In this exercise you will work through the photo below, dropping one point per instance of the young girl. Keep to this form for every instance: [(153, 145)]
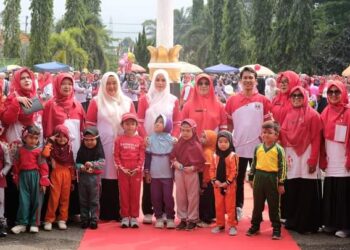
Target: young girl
[(187, 158), (206, 200), (30, 174), (223, 173), (159, 173), (60, 152), (90, 162), (129, 156)]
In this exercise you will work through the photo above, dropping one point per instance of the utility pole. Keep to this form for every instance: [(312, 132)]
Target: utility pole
[(26, 25)]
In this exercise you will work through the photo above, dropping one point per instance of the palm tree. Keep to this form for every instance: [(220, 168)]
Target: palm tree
[(64, 48)]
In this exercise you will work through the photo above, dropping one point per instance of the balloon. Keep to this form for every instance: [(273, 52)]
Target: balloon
[(257, 67), (121, 62), (131, 57)]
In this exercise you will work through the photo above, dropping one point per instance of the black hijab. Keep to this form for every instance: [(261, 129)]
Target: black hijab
[(94, 154)]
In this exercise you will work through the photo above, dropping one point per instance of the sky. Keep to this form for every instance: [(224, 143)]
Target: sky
[(123, 17)]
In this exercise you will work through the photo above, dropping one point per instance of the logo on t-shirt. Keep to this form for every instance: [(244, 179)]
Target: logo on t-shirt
[(258, 106)]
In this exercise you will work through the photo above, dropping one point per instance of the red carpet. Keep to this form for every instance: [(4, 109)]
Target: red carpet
[(111, 236)]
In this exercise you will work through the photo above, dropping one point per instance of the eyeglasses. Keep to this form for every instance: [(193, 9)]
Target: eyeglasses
[(333, 92), (295, 96), (204, 83)]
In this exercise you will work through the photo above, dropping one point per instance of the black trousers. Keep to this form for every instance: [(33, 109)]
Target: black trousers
[(242, 168)]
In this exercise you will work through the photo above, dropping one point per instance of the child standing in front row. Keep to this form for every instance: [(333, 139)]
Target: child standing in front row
[(159, 173), (90, 162), (267, 175), (223, 173), (31, 174), (188, 160), (59, 150), (129, 156)]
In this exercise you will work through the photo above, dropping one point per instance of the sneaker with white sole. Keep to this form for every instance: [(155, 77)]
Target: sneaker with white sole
[(342, 233), (48, 226), (159, 223), (125, 222), (34, 229), (170, 224), (18, 229), (147, 219), (232, 231), (62, 225), (134, 223), (217, 229)]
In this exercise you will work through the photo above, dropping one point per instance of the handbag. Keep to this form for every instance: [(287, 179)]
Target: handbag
[(36, 106)]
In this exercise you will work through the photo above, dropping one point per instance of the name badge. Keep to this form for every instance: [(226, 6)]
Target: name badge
[(340, 132)]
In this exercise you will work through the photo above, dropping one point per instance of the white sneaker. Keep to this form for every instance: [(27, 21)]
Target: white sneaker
[(147, 219), (18, 229), (62, 225), (217, 229), (342, 233), (134, 223), (34, 229), (159, 223), (232, 231), (170, 224), (239, 212), (48, 226)]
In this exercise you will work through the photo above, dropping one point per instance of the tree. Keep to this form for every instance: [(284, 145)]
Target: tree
[(181, 24), (262, 29), (141, 53), (93, 6), (151, 29), (41, 24), (232, 50), (12, 41), (65, 48), (300, 31), (280, 36), (197, 11), (216, 13), (75, 15)]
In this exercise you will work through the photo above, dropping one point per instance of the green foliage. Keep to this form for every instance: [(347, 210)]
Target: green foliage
[(151, 29), (197, 11), (65, 48), (93, 6), (216, 13), (10, 17), (262, 29), (41, 23), (75, 15), (141, 53), (232, 49)]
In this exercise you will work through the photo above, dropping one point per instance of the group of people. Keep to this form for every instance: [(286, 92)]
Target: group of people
[(60, 161)]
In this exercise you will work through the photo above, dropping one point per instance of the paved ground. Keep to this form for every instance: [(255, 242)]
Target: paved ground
[(62, 240)]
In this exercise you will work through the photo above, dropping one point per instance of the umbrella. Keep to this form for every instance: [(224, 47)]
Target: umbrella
[(137, 68), (221, 68), (261, 70), (189, 68), (346, 71), (52, 67), (9, 68)]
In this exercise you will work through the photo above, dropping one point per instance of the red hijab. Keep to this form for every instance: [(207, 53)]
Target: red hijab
[(205, 110), (65, 101), (189, 152), (280, 104), (62, 154), (301, 125), (335, 112), (16, 83), (44, 80)]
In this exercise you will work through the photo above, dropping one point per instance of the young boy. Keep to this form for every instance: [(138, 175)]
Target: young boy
[(129, 156), (267, 175)]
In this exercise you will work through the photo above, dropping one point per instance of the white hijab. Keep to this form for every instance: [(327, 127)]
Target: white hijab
[(158, 102), (112, 107)]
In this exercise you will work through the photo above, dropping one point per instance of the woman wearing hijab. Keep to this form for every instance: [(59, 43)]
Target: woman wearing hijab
[(301, 136), (335, 160), (280, 104), (105, 112), (14, 120), (204, 107), (157, 101)]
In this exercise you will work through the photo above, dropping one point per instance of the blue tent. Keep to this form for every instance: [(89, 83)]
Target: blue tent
[(221, 68), (52, 67)]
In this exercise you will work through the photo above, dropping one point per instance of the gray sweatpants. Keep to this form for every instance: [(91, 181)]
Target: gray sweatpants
[(187, 195), (89, 196)]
